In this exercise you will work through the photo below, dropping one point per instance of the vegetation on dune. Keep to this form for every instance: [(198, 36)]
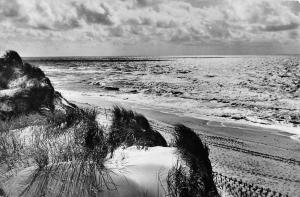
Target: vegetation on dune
[(12, 67), (12, 58), (68, 143), (22, 121), (32, 71), (129, 128), (2, 193), (25, 87), (64, 147), (196, 179), (74, 147), (62, 119), (5, 74), (191, 148), (78, 147), (75, 157)]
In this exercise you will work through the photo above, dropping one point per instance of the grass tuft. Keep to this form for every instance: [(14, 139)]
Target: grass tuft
[(22, 121), (191, 148), (2, 193), (196, 178), (178, 182), (129, 128)]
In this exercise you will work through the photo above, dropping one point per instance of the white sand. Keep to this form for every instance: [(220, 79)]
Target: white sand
[(135, 172), (148, 168)]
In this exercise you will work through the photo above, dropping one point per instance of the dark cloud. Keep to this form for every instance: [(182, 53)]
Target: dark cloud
[(145, 3), (136, 30), (166, 24), (133, 22), (146, 21), (12, 9), (294, 35), (181, 36), (293, 5), (117, 31), (142, 2), (70, 23), (94, 16), (204, 3), (140, 21), (59, 24), (42, 27), (285, 27)]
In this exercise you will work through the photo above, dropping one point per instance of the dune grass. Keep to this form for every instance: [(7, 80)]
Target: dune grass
[(129, 128), (2, 193), (5, 74), (27, 88), (10, 59), (80, 142), (32, 71), (69, 151), (21, 121), (191, 148), (195, 179)]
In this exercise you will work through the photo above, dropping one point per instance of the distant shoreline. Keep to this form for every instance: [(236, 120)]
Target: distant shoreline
[(140, 58)]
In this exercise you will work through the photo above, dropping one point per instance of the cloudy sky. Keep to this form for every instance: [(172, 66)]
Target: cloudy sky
[(149, 27)]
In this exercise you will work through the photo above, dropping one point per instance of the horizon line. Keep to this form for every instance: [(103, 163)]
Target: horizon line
[(207, 55)]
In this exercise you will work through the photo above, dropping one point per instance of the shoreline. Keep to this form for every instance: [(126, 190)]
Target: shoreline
[(161, 114)]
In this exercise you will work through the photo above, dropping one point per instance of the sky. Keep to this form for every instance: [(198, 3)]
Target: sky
[(149, 27)]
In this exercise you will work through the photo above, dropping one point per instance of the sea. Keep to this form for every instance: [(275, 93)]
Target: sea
[(255, 89)]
